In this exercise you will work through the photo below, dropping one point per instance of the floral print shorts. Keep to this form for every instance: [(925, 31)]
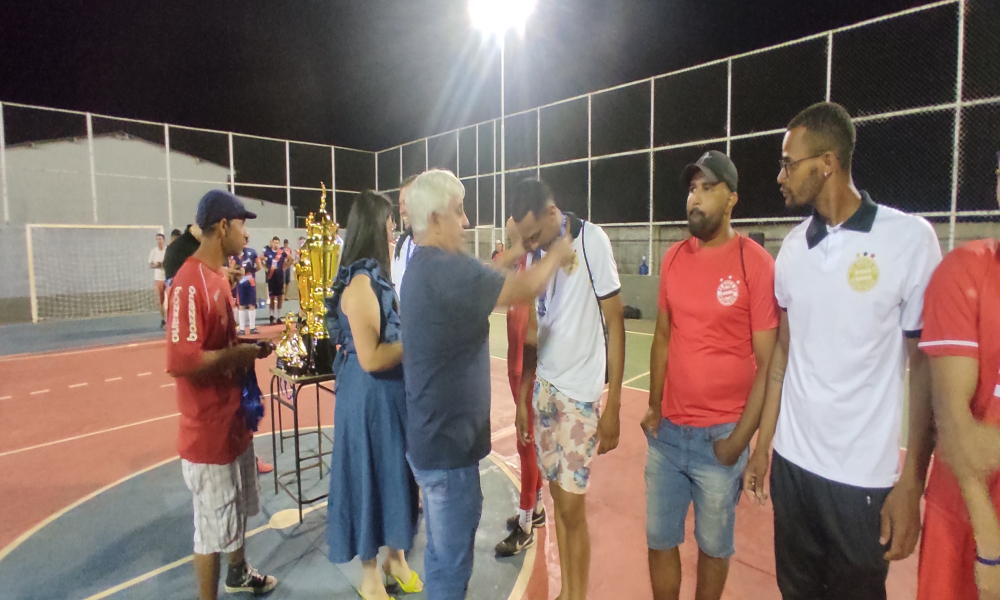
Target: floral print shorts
[(565, 436)]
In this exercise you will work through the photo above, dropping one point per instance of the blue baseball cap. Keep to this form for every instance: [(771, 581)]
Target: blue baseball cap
[(217, 205)]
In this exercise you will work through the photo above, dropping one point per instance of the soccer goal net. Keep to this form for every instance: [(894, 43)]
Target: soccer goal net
[(80, 271)]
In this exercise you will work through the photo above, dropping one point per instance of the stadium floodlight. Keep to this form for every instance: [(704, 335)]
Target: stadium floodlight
[(495, 18)]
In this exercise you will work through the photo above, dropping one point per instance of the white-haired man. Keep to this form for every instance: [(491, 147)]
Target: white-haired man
[(449, 296)]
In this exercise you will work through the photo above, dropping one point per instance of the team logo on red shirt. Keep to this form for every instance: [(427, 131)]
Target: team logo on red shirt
[(728, 291)]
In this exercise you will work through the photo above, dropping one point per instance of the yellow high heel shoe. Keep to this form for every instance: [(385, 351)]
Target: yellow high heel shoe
[(413, 586)]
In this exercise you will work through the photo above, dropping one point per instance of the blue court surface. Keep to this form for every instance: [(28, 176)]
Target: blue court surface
[(134, 540)]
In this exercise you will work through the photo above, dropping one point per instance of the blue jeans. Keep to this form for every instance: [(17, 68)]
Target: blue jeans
[(453, 505), (681, 467)]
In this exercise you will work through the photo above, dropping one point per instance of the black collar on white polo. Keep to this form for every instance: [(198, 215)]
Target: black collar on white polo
[(862, 220)]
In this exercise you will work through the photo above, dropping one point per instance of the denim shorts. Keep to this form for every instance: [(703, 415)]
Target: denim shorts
[(681, 468)]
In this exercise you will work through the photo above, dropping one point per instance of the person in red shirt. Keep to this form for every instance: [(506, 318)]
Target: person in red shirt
[(960, 550), (530, 513), (715, 330), (214, 442)]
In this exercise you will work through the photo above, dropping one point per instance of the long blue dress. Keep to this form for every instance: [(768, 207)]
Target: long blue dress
[(373, 496)]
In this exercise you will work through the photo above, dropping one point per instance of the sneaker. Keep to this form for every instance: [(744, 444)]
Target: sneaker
[(271, 320), (163, 324), (263, 467), (254, 331), (247, 579), (537, 521), (518, 541)]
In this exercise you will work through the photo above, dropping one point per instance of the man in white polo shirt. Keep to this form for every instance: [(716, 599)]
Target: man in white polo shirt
[(850, 281), (574, 351)]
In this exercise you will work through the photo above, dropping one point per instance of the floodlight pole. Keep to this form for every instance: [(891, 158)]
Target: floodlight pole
[(503, 144)]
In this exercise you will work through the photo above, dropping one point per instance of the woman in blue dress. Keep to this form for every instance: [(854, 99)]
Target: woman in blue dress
[(373, 496)]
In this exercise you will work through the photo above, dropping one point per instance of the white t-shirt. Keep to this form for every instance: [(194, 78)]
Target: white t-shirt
[(399, 264), (156, 256), (850, 299), (572, 350)]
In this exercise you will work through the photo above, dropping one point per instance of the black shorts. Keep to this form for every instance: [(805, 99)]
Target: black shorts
[(276, 285), (826, 536)]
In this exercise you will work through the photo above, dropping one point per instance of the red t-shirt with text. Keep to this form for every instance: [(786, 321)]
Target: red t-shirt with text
[(962, 318), (200, 318), (716, 297)]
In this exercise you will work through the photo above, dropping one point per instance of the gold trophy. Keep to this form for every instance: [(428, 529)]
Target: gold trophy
[(316, 272), (291, 350)]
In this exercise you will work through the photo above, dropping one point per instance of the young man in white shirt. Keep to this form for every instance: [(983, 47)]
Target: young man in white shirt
[(159, 278), (850, 281), (579, 333)]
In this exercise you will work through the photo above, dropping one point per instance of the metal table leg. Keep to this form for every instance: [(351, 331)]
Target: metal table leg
[(298, 463), (274, 441)]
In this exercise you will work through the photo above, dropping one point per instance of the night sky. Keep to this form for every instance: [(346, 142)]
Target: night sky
[(367, 73)]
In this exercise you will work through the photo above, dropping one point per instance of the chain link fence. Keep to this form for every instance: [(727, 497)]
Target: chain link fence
[(923, 86)]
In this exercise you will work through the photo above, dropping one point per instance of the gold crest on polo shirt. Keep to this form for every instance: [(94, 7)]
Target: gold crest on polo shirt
[(863, 273)]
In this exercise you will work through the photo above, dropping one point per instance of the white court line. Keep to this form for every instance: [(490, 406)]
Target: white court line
[(636, 378), (144, 374), (17, 357), (36, 392), (77, 385), (6, 398), (93, 433), (85, 435), (165, 385), (112, 379)]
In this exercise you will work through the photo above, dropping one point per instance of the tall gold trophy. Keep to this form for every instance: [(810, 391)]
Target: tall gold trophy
[(316, 272)]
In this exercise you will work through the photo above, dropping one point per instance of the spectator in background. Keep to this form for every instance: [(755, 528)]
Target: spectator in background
[(291, 255), (180, 250), (405, 245), (449, 296), (159, 279), (497, 249), (275, 262), (246, 289), (176, 233)]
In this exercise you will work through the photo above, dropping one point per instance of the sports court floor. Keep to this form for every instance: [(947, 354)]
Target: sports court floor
[(94, 505)]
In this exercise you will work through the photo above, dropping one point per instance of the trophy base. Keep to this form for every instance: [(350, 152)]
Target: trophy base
[(296, 371)]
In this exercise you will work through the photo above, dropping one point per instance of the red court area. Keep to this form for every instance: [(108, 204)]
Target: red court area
[(75, 422)]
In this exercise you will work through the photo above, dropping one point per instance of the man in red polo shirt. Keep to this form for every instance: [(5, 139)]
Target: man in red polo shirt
[(715, 330), (214, 443), (961, 538)]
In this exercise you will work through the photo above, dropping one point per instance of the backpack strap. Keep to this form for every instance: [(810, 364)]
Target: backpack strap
[(593, 287)]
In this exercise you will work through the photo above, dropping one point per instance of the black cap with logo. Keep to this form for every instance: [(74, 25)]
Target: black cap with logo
[(717, 168)]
